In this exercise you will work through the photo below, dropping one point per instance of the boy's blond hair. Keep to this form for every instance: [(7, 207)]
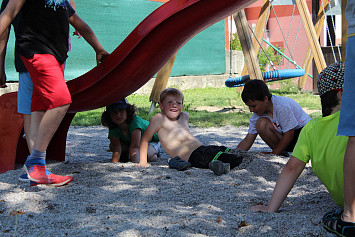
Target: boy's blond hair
[(170, 91)]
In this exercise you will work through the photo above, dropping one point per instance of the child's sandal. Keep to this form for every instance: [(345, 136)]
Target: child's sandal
[(333, 222)]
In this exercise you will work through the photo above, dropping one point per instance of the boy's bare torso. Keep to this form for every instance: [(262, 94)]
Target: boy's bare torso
[(175, 136)]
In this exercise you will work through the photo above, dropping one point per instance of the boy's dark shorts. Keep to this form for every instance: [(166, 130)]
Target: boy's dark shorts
[(202, 156), (294, 140)]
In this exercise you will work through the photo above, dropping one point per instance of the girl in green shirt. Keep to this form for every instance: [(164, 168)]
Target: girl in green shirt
[(125, 131)]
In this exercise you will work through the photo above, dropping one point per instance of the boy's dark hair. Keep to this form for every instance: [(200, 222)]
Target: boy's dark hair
[(330, 81), (329, 100), (106, 118), (170, 91), (255, 90)]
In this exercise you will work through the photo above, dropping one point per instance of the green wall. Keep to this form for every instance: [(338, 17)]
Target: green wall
[(113, 20)]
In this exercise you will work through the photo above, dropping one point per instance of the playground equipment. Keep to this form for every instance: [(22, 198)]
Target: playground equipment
[(145, 50), (247, 43), (274, 75)]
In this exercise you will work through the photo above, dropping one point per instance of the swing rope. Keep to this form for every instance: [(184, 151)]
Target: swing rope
[(278, 22), (328, 32), (230, 48), (261, 47), (275, 74)]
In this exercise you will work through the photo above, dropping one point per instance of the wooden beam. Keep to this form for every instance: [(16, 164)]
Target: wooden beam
[(259, 29), (162, 80), (309, 56), (311, 35), (250, 56)]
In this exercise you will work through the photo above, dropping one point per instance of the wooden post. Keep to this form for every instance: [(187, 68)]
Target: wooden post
[(161, 81), (248, 49), (259, 29), (311, 35), (309, 56)]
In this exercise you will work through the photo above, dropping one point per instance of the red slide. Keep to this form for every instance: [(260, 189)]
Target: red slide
[(133, 63)]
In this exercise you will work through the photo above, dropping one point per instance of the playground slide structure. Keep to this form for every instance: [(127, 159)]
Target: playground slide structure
[(136, 60)]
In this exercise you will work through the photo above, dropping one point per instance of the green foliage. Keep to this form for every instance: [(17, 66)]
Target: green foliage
[(264, 60), (225, 99), (235, 44)]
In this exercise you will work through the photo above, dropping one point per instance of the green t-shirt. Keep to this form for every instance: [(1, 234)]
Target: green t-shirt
[(137, 122), (319, 143)]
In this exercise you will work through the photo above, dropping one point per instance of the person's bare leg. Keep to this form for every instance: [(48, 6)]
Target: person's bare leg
[(26, 128), (48, 125), (43, 127), (349, 181), (267, 132), (36, 119)]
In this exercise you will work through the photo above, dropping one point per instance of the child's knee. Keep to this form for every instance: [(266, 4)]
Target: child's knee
[(152, 153), (262, 124), (153, 158)]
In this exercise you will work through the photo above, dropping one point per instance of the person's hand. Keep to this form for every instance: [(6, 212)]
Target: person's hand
[(3, 80), (261, 208), (77, 33), (100, 56), (266, 152), (142, 165)]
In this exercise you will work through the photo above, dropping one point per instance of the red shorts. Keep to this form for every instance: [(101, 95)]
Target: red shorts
[(49, 88)]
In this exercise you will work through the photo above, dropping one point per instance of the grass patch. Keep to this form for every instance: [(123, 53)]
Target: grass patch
[(217, 97)]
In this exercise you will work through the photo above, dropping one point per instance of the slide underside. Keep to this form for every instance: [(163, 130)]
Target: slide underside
[(149, 46)]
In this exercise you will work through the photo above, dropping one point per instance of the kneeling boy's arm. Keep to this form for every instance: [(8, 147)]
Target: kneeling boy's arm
[(247, 142), (284, 142)]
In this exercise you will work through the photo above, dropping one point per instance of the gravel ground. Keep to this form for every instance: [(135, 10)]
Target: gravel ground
[(107, 199)]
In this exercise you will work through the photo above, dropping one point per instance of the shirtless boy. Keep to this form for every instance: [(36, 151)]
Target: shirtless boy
[(172, 127)]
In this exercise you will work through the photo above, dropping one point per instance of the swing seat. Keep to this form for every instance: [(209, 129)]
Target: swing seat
[(274, 75)]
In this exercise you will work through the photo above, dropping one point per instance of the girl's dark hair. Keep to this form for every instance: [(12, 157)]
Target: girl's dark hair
[(106, 118), (329, 100), (255, 90)]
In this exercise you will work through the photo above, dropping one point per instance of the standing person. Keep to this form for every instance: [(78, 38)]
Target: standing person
[(43, 47), (24, 93), (172, 127), (343, 223), (125, 132), (317, 144), (25, 88), (278, 120)]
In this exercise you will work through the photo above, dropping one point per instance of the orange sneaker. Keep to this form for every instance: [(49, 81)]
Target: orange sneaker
[(55, 180), (36, 171)]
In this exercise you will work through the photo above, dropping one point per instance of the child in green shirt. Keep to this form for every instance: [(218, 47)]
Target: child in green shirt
[(318, 144), (125, 131)]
